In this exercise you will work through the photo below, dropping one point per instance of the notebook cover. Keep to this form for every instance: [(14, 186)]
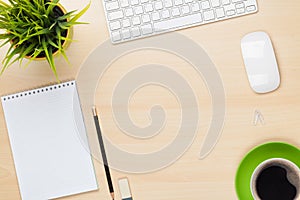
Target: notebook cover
[(49, 142)]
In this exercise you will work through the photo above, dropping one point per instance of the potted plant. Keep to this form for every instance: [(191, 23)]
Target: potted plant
[(36, 29)]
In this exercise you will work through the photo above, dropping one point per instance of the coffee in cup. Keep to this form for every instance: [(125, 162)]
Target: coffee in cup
[(276, 179)]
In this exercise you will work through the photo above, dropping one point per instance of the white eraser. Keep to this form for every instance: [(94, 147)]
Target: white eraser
[(125, 189)]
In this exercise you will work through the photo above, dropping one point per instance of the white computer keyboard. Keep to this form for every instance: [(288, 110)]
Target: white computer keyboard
[(133, 19)]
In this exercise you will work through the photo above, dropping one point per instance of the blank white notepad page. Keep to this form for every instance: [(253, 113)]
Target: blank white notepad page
[(49, 142)]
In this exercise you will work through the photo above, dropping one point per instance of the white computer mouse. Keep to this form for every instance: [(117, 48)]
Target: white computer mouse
[(260, 62)]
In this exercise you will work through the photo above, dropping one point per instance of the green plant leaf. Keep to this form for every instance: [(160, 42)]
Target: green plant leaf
[(49, 57), (77, 16), (51, 27), (4, 5), (4, 43), (51, 5), (63, 53), (64, 25), (66, 16), (8, 59), (34, 56)]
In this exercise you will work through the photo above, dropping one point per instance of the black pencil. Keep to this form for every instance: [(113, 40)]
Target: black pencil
[(101, 144)]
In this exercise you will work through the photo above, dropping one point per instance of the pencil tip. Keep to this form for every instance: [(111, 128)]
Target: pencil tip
[(94, 111), (112, 195)]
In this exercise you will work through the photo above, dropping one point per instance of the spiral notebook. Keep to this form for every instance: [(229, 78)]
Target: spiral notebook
[(49, 143)]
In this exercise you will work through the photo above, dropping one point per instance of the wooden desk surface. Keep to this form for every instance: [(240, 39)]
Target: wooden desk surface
[(188, 178)]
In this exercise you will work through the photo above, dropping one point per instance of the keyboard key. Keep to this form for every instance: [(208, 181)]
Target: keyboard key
[(134, 2), (168, 3), (250, 2), (116, 36), (147, 29), (115, 15), (136, 20), (209, 15), (220, 13), (146, 18), (128, 12), (229, 7), (239, 5), (251, 8), (124, 3), (175, 12), (158, 5), (149, 7), (195, 7), (126, 23), (178, 22), (144, 1), (240, 10), (115, 25), (138, 10), (225, 2), (126, 33), (165, 14), (155, 16), (215, 3), (185, 9), (113, 5), (235, 1), (205, 5), (135, 31), (178, 2), (230, 12)]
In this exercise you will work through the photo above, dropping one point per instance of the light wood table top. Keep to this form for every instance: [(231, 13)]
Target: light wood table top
[(189, 177)]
